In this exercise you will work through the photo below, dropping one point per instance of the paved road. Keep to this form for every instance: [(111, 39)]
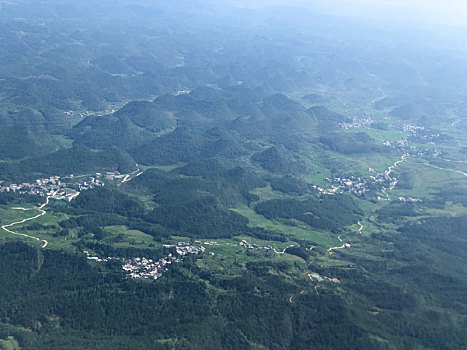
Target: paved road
[(128, 177), (42, 212), (343, 246)]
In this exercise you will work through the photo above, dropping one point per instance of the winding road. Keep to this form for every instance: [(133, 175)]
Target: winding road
[(452, 170), (42, 212), (346, 245), (361, 227), (283, 252), (393, 180), (128, 176), (343, 246)]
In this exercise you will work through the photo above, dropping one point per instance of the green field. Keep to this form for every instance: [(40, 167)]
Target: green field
[(133, 238), (381, 136), (9, 344), (267, 193), (427, 179), (256, 220), (319, 172), (9, 215)]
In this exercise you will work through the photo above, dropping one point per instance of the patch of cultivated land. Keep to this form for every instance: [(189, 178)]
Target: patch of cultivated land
[(9, 215), (121, 236), (322, 238), (427, 179), (381, 136), (9, 343)]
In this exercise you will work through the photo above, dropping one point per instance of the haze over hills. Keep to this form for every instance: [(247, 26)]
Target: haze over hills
[(451, 13), (210, 176)]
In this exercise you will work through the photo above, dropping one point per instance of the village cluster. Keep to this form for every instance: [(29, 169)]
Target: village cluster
[(399, 144), (353, 184), (91, 114), (317, 277), (412, 128), (420, 131), (247, 245), (357, 123), (147, 268), (55, 187), (141, 267), (66, 188), (409, 199)]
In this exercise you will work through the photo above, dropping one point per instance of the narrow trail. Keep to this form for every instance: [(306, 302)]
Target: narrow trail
[(361, 227), (387, 174), (343, 246), (129, 177), (7, 227), (346, 245), (372, 102), (451, 170), (452, 160), (125, 179), (283, 252), (42, 212)]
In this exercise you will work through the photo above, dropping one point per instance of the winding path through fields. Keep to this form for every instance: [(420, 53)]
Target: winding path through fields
[(360, 228), (283, 251), (343, 246), (387, 174), (452, 170), (7, 227), (42, 212)]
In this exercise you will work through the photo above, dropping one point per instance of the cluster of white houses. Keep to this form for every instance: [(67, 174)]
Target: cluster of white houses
[(141, 267), (357, 123), (353, 184), (147, 268), (53, 187), (66, 188)]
